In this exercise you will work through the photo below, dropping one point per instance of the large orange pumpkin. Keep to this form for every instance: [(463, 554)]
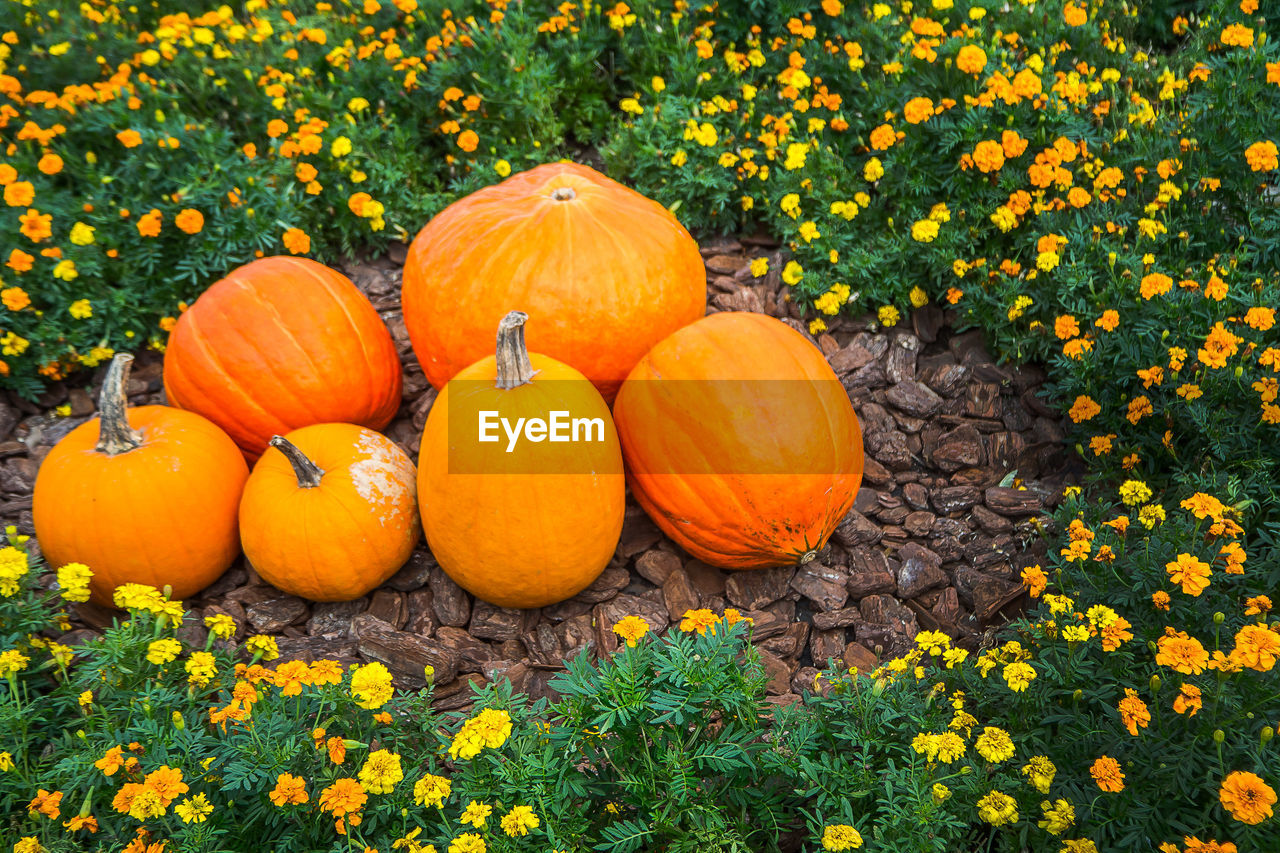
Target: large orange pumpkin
[(148, 495), (740, 442), (535, 525), (603, 272), (330, 512), (278, 344)]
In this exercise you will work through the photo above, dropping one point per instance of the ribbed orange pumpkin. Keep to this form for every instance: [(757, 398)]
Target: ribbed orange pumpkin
[(330, 512), (740, 442), (148, 495), (534, 526), (603, 272), (278, 344)]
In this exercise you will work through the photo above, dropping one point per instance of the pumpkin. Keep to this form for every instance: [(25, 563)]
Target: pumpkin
[(330, 512), (740, 442), (278, 344), (144, 495), (536, 525), (603, 272)]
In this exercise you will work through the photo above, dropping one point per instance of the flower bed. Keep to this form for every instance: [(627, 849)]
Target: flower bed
[(1104, 208)]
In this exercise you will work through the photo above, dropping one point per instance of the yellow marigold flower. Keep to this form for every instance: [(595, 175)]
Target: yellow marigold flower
[(371, 685), (994, 745), (631, 629), (81, 234), (759, 267), (476, 814), (1134, 492), (262, 646), (998, 809), (488, 729), (519, 821), (1059, 816), (792, 273), (888, 315), (221, 626), (431, 790), (924, 230), (873, 170), (1247, 797), (1039, 771), (840, 836), (81, 309), (381, 772), (163, 651), (467, 842), (201, 668), (73, 581), (1018, 676), (194, 809)]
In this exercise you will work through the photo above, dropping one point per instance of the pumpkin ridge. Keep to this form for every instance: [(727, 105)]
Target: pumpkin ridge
[(200, 341), (369, 358), (272, 364)]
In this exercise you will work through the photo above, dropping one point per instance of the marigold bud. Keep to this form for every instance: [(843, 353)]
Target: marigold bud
[(1155, 684), (1219, 735), (1267, 734), (1219, 618)]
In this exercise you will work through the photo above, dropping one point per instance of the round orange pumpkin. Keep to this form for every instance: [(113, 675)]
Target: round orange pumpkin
[(740, 442), (278, 344), (330, 512), (536, 525), (603, 272), (145, 495)]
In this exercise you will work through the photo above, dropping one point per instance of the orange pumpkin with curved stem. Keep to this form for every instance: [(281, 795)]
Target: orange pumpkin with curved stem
[(278, 344), (330, 512), (603, 272), (740, 441), (534, 526), (144, 495)]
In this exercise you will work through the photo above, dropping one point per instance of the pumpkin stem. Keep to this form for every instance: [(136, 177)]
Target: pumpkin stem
[(563, 194), (808, 557), (308, 472), (115, 436), (514, 367)]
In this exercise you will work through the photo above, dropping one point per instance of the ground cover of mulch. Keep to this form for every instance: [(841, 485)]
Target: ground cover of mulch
[(936, 541)]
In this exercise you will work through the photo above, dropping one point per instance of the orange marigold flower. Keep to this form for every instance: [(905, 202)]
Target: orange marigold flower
[(1188, 701), (1065, 326), (971, 59), (189, 221), (918, 110), (1181, 652), (1083, 409), (1247, 797), (1257, 647), (1191, 573), (149, 223), (297, 241), (1262, 156), (290, 790), (20, 261), (883, 138), (1155, 284), (1133, 711), (129, 138), (343, 797), (36, 226), (468, 140), (988, 156), (1139, 408), (1106, 772)]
